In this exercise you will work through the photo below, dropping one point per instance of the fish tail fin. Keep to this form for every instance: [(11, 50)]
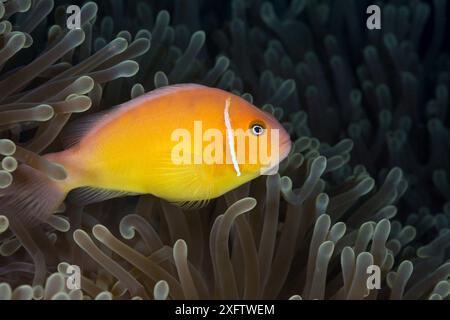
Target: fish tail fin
[(32, 197)]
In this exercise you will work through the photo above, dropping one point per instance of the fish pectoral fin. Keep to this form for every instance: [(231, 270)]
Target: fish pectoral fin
[(188, 186), (87, 195), (196, 189), (191, 205)]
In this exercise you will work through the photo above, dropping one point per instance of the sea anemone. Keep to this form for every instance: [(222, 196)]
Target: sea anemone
[(281, 236), (43, 86)]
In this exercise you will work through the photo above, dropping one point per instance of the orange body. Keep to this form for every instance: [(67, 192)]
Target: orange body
[(131, 148)]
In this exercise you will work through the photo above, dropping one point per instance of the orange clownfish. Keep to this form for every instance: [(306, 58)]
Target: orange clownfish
[(177, 143)]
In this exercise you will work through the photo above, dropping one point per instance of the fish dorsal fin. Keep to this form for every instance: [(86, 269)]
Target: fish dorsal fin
[(191, 205), (74, 131), (87, 195)]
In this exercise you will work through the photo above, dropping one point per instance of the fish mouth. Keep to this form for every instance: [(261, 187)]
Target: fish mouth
[(285, 148)]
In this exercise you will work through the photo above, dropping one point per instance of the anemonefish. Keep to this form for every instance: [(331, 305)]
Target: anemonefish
[(131, 149)]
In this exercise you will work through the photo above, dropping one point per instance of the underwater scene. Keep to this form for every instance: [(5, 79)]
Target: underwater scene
[(230, 150)]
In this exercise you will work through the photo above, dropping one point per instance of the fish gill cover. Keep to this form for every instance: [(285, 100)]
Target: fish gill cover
[(366, 182)]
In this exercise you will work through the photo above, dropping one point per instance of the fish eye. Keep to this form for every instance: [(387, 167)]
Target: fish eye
[(257, 129)]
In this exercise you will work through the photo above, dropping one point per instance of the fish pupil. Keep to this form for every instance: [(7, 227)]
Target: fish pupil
[(257, 129)]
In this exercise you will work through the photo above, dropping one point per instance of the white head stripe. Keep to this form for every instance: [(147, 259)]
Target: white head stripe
[(230, 137)]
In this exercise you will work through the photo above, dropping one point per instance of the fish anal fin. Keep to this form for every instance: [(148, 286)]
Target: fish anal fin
[(191, 205), (88, 195)]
